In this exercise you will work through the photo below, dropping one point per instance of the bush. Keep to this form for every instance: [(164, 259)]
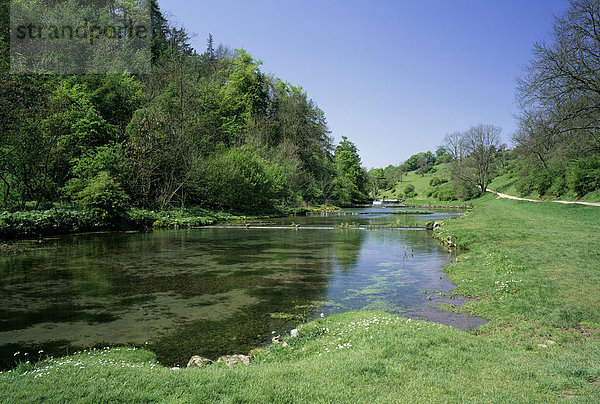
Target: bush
[(525, 186), (409, 191), (41, 223), (239, 179), (543, 182), (445, 193), (585, 175), (436, 181), (559, 185), (104, 199)]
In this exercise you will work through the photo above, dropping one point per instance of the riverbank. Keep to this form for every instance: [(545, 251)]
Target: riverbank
[(532, 269), (354, 357), (62, 221)]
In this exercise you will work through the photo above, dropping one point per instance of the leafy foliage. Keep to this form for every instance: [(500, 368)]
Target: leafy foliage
[(351, 179), (559, 131), (104, 199), (206, 129)]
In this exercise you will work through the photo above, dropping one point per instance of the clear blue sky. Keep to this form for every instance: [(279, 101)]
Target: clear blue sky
[(394, 76)]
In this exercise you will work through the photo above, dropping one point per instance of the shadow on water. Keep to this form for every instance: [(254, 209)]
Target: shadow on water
[(212, 291)]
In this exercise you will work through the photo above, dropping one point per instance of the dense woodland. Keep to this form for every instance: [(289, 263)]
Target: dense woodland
[(206, 129)]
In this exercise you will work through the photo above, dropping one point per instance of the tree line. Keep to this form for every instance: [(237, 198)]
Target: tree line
[(208, 129)]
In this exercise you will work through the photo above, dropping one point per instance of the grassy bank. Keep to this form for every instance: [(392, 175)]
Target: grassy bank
[(533, 268), (354, 357), (532, 263)]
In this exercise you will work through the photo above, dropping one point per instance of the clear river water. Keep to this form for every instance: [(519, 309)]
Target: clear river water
[(219, 290)]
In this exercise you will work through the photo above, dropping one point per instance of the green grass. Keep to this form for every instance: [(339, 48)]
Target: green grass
[(354, 357), (506, 183), (420, 182), (533, 268), (548, 254)]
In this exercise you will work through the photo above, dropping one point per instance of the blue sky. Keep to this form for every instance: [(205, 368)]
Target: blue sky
[(394, 76)]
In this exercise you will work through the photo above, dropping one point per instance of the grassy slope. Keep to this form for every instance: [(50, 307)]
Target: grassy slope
[(547, 255), (506, 184), (421, 183)]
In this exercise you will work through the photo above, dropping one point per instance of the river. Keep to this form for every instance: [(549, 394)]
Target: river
[(216, 291)]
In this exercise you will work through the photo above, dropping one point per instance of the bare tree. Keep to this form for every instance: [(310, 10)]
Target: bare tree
[(473, 155), (561, 81), (453, 143)]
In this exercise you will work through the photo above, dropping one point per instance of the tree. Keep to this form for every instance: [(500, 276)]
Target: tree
[(393, 174), (473, 164), (351, 179), (421, 161), (378, 180), (559, 95), (562, 78), (442, 156), (454, 145)]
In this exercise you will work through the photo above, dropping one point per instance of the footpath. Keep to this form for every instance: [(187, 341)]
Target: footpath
[(537, 200)]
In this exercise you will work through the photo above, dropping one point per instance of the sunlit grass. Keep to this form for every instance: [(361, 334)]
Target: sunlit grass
[(353, 357)]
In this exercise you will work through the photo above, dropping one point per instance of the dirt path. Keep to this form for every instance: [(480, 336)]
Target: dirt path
[(536, 200)]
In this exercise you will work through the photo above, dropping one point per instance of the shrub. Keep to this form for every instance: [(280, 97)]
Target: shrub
[(104, 199), (585, 175), (445, 193), (40, 223), (239, 179), (409, 191), (543, 182), (436, 181), (525, 186)]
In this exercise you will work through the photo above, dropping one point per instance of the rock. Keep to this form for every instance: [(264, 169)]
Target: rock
[(198, 362), (233, 360), (294, 333), (279, 340), (542, 345), (437, 225)]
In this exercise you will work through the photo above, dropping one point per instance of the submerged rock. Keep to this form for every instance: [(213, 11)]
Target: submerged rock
[(198, 362), (233, 360)]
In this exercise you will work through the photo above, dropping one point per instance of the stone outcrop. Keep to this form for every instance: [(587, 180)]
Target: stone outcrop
[(198, 362), (234, 360)]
